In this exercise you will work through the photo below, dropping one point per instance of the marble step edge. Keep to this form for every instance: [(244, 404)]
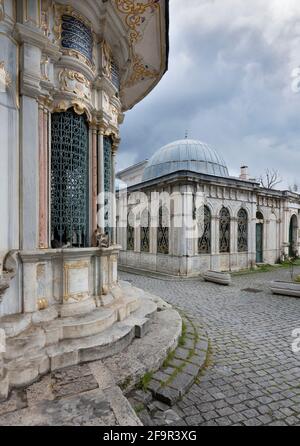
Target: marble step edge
[(14, 325), (56, 330), (23, 372), (170, 390)]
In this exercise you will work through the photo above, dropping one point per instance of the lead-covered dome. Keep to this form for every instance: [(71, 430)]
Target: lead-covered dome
[(186, 154)]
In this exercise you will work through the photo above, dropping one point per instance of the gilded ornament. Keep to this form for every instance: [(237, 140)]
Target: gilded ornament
[(43, 304), (76, 83), (134, 15), (140, 72)]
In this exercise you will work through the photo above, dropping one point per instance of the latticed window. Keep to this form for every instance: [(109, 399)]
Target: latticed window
[(130, 232), (204, 242), (163, 232), (242, 231), (69, 180), (107, 183), (145, 231), (224, 231)]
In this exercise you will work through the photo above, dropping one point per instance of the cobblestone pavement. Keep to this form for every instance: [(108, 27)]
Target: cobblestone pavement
[(253, 376)]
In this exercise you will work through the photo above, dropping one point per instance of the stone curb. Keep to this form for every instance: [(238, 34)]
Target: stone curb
[(177, 378), (179, 373)]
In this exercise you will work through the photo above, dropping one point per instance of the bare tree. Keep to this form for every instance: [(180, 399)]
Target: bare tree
[(270, 179)]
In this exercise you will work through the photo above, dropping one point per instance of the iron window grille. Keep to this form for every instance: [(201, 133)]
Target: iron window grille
[(69, 180), (145, 231), (242, 231), (224, 231), (204, 242), (163, 232)]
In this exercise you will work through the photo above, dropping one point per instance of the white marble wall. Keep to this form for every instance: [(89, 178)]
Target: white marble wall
[(9, 152)]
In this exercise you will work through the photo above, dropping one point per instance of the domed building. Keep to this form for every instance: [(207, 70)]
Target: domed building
[(188, 155), (185, 215)]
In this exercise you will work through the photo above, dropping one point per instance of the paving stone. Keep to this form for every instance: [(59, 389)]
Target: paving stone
[(168, 395), (255, 366), (154, 385), (191, 369), (182, 353), (198, 359), (182, 382), (161, 376), (142, 397)]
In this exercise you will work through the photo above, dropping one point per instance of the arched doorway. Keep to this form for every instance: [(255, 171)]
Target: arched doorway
[(293, 236), (259, 237)]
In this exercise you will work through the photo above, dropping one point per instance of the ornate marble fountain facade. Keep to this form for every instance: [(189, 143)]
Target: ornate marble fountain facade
[(68, 72)]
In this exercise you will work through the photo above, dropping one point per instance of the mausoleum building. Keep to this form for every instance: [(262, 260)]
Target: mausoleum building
[(241, 224)]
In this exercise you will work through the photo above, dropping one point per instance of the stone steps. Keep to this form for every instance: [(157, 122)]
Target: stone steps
[(33, 339), (27, 370), (64, 342), (179, 373), (108, 342), (88, 325)]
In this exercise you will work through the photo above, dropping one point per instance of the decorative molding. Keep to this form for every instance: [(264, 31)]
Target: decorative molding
[(36, 21), (42, 304), (59, 11), (75, 82), (45, 61), (78, 297), (45, 17), (140, 72), (134, 15), (79, 107), (5, 78)]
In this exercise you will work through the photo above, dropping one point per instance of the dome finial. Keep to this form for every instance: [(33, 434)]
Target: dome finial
[(186, 134)]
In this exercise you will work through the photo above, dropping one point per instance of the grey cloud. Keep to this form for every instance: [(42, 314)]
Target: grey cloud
[(229, 84)]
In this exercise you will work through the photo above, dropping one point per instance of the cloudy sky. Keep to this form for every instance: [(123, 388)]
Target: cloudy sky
[(229, 83)]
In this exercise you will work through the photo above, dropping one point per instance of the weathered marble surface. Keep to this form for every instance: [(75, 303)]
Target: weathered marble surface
[(88, 394)]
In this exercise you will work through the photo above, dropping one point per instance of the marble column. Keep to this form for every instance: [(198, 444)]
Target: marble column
[(30, 173), (94, 181), (43, 176), (115, 145), (101, 179)]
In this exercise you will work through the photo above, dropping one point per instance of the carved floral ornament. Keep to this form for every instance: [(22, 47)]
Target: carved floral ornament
[(140, 72), (74, 82), (136, 19), (134, 15)]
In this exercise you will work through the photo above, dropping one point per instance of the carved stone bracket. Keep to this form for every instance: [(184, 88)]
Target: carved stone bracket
[(10, 267)]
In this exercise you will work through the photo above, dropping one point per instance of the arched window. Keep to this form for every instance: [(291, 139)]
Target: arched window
[(242, 231), (163, 231), (69, 180), (145, 231), (204, 242), (224, 231), (130, 233)]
